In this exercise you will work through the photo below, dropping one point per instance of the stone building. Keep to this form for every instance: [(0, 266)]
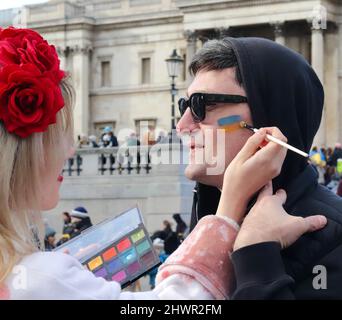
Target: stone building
[(116, 50)]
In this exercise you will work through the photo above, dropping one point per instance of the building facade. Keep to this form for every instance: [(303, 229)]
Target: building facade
[(115, 50)]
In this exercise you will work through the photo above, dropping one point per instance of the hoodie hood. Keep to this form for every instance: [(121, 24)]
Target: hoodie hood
[(283, 91)]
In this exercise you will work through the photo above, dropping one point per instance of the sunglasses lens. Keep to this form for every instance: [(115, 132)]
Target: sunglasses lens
[(182, 105), (198, 108)]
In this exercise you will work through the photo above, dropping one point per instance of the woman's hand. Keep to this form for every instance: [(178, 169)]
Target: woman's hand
[(249, 171), (268, 221)]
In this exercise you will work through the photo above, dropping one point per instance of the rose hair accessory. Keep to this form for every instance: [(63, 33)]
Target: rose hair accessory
[(30, 77)]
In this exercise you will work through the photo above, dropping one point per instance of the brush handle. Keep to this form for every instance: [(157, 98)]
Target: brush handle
[(284, 144)]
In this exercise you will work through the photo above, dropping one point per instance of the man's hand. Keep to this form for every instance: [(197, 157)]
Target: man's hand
[(249, 171), (268, 221)]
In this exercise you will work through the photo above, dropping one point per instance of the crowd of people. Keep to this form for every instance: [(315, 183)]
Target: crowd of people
[(108, 139), (328, 162), (73, 224)]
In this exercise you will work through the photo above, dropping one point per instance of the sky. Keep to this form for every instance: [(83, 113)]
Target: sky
[(6, 4)]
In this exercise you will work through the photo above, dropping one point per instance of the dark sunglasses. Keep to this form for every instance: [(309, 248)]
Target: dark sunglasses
[(199, 101)]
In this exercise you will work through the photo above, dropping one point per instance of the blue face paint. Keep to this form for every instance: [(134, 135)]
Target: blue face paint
[(230, 123)]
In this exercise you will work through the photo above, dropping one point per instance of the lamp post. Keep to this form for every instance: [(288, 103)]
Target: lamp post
[(174, 63)]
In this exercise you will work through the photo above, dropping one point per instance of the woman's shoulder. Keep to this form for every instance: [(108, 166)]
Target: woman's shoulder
[(49, 261)]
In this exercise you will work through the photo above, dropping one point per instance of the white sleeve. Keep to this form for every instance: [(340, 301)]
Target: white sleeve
[(58, 276)]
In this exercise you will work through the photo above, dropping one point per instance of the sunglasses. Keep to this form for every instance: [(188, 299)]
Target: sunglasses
[(199, 101)]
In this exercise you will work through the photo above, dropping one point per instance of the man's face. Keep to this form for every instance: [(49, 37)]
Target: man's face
[(216, 146)]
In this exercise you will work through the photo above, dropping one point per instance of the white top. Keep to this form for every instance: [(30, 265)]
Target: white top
[(52, 275)]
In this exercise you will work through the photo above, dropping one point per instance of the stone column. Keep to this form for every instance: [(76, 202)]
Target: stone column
[(62, 57), (80, 77), (279, 32), (191, 39), (317, 62)]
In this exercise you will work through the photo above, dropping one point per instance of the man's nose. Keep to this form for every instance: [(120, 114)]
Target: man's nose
[(186, 123)]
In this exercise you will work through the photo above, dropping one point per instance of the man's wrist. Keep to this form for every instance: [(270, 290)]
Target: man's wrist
[(248, 239)]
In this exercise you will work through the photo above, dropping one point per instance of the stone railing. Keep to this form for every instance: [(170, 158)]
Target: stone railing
[(123, 160), (109, 181)]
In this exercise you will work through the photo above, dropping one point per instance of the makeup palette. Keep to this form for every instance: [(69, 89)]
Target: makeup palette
[(117, 249)]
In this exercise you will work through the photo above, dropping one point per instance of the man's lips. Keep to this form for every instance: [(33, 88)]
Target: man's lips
[(195, 146)]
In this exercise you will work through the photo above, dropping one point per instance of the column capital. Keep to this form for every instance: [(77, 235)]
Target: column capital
[(62, 51), (278, 28), (318, 18), (190, 35), (80, 49), (222, 32)]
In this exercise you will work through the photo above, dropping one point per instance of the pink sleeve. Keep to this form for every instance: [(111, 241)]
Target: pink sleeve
[(205, 256)]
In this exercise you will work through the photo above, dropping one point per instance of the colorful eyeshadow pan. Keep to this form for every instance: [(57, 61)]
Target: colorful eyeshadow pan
[(114, 266), (120, 276), (128, 257), (123, 245), (95, 263), (101, 273), (140, 234), (142, 247), (147, 259), (133, 268), (109, 254)]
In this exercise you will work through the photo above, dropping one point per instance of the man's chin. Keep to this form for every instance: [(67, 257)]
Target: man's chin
[(198, 173)]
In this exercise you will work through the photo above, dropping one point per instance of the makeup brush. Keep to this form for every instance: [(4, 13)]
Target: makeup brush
[(243, 124)]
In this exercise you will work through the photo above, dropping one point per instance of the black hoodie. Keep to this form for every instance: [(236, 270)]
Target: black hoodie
[(284, 91)]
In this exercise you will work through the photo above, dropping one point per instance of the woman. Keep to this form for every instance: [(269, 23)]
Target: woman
[(36, 131)]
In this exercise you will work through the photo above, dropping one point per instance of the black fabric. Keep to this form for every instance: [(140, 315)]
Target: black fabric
[(260, 273), (284, 91)]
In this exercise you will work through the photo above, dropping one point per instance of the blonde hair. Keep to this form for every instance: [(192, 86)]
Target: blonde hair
[(21, 163)]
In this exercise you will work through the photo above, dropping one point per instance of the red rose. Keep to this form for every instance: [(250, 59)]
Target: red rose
[(22, 46), (29, 99)]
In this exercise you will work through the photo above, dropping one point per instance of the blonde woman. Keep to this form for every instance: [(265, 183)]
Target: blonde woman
[(36, 130)]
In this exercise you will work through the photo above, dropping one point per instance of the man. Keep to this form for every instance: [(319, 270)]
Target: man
[(282, 91)]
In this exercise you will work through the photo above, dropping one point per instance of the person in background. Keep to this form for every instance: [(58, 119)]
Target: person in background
[(81, 220), (132, 140), (329, 154), (181, 226), (67, 223), (337, 154), (113, 141), (170, 238), (108, 139), (68, 229), (317, 158), (93, 142), (49, 240), (149, 137), (158, 245), (83, 141)]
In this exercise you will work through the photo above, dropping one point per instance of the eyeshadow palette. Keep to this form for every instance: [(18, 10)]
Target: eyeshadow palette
[(117, 249)]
